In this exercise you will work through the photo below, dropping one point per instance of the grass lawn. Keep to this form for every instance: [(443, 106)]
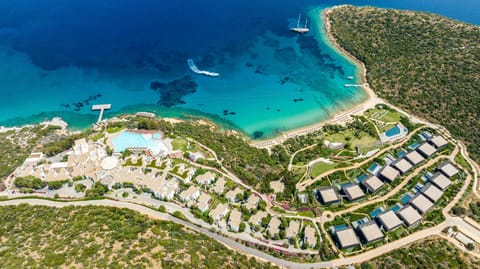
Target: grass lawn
[(388, 116), (320, 168), (98, 136), (348, 137), (179, 144), (112, 130)]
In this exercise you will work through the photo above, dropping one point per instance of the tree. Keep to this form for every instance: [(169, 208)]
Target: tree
[(242, 227), (470, 246)]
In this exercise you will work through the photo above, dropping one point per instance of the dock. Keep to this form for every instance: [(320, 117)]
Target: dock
[(102, 108), (353, 85)]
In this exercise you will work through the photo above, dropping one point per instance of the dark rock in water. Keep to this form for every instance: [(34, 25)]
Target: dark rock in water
[(248, 64), (99, 95), (278, 110), (257, 134), (286, 78), (200, 104), (295, 100), (232, 113), (268, 108), (171, 93), (286, 55), (77, 109), (301, 90), (271, 42), (260, 70), (225, 111)]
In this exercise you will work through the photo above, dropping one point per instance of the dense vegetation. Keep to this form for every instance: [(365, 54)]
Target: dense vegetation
[(16, 145), (424, 63), (101, 237), (428, 253)]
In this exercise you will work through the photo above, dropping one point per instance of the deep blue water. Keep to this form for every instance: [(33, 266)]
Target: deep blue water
[(55, 54)]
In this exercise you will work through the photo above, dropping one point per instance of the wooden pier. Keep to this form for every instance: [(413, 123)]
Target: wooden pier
[(102, 108)]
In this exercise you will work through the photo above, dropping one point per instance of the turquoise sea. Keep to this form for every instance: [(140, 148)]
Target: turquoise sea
[(57, 58)]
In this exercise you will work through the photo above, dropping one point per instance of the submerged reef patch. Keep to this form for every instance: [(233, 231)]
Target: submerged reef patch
[(172, 93)]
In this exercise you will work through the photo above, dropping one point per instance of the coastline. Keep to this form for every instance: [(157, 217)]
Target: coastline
[(343, 116)]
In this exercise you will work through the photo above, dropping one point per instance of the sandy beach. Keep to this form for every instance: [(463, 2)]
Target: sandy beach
[(341, 117)]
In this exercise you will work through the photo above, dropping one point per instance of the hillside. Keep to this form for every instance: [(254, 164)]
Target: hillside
[(427, 64), (102, 237), (432, 252)]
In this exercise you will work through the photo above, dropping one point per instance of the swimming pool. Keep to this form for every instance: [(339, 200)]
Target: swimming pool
[(405, 198), (128, 140), (361, 178), (414, 146), (393, 131), (375, 212)]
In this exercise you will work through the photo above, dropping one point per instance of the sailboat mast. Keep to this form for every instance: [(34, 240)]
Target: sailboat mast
[(306, 20), (299, 17)]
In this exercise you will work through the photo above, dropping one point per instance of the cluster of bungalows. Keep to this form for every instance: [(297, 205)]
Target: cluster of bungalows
[(410, 214), (379, 176)]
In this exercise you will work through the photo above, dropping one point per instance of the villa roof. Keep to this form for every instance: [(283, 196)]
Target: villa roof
[(274, 225), (203, 201), (414, 157), (206, 178), (426, 150), (189, 194), (441, 181), (232, 194), (438, 141), (389, 173), (409, 215), (421, 203), (372, 183), (277, 186), (292, 229), (219, 212), (347, 238), (353, 192), (432, 192), (389, 220), (310, 236), (448, 169), (235, 219), (402, 165), (257, 218), (328, 195), (219, 185), (370, 231), (252, 201)]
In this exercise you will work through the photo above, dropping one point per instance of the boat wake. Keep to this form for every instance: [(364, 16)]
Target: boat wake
[(195, 70)]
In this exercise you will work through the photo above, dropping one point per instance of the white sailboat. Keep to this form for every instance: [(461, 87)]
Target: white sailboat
[(298, 29)]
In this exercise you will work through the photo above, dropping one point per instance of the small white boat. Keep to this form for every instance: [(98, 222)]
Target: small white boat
[(298, 29), (194, 68)]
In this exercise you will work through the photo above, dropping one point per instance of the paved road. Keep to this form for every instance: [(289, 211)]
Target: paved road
[(463, 226)]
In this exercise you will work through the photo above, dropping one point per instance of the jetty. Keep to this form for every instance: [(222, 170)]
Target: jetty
[(353, 85), (194, 68), (102, 108)]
